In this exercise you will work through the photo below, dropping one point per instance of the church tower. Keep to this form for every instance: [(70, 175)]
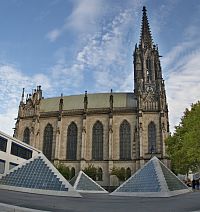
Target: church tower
[(152, 109)]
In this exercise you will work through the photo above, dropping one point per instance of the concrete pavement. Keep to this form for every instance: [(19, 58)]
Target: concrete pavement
[(189, 202)]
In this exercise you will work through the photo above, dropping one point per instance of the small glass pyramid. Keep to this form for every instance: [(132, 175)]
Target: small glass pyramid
[(37, 175), (83, 183), (152, 180)]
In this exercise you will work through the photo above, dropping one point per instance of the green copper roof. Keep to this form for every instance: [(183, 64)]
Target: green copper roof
[(98, 100)]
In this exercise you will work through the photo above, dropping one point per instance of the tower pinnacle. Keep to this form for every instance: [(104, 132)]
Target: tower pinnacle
[(22, 99), (146, 40)]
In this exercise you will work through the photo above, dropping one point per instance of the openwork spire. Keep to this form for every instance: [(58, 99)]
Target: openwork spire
[(146, 38)]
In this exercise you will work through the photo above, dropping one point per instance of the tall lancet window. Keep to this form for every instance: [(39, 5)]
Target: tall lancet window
[(125, 141), (152, 138), (97, 141), (26, 137), (48, 141), (72, 141), (149, 69)]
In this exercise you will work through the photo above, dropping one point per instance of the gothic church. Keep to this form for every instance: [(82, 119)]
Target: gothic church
[(106, 130)]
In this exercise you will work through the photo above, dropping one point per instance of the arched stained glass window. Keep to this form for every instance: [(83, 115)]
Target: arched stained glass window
[(72, 141), (125, 141), (26, 137), (152, 138), (48, 141), (99, 174), (97, 141), (149, 69)]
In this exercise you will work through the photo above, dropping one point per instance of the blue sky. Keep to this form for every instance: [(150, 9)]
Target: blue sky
[(69, 46)]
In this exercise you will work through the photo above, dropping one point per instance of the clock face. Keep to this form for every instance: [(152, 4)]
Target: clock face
[(149, 88)]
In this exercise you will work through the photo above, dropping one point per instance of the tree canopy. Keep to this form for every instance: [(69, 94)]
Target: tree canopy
[(91, 171), (183, 146)]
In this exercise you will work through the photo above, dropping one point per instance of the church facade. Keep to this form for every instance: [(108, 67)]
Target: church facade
[(105, 130)]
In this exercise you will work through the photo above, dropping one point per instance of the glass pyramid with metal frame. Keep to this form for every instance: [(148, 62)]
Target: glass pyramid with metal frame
[(37, 175), (83, 183), (152, 180)]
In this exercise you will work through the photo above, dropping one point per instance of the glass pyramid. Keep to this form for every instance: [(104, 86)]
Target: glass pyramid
[(84, 183), (152, 180), (37, 175)]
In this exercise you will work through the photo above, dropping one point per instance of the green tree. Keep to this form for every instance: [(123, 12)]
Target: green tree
[(64, 170), (183, 147), (119, 172), (91, 171)]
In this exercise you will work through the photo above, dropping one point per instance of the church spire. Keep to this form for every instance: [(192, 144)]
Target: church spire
[(145, 38)]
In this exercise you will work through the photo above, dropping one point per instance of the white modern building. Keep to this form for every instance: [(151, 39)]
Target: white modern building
[(13, 152)]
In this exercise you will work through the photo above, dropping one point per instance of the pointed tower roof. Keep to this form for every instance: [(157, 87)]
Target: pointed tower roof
[(154, 179), (37, 175), (83, 183), (145, 38)]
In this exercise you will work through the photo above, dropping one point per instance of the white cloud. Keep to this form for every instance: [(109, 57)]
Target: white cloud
[(85, 14), (42, 79), (183, 87), (106, 53), (183, 76), (12, 80), (7, 120), (54, 34), (65, 77), (82, 19), (160, 17)]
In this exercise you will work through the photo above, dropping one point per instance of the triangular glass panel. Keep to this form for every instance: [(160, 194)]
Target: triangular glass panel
[(173, 182)]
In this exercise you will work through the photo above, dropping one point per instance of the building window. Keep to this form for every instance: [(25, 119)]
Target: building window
[(123, 174), (97, 141), (72, 172), (72, 141), (26, 137), (48, 141), (3, 144), (2, 166), (125, 141), (152, 138), (21, 151), (149, 69), (99, 176)]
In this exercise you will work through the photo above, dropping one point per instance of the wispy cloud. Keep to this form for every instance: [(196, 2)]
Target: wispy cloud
[(12, 80), (183, 88), (54, 34), (161, 15), (104, 55), (83, 18), (85, 15), (183, 77)]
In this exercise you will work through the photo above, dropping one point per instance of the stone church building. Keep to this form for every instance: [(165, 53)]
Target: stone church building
[(122, 130)]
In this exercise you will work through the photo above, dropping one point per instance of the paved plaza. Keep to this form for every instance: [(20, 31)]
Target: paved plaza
[(101, 203)]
